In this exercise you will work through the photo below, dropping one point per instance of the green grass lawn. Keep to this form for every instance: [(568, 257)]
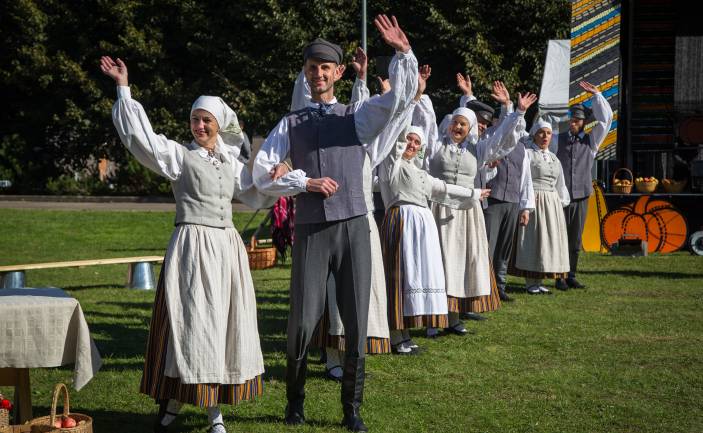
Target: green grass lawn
[(626, 355)]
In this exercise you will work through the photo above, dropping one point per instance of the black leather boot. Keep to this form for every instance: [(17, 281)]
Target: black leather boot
[(296, 371), (503, 295), (353, 394)]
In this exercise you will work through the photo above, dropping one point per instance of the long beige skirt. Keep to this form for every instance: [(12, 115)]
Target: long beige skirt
[(462, 236), (542, 247)]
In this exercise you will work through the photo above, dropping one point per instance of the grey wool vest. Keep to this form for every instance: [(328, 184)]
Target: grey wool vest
[(506, 185), (203, 191), (457, 168), (327, 146), (576, 160)]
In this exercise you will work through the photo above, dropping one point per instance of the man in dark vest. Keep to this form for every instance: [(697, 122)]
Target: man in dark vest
[(577, 151), (326, 142)]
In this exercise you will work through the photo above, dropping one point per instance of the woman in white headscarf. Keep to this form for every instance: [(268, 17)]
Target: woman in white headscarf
[(541, 247), (203, 346), (455, 158)]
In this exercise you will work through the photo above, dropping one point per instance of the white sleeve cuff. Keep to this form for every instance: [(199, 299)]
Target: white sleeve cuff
[(123, 92)]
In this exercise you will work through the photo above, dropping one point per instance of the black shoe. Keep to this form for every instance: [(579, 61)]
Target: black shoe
[(158, 427), (473, 316), (560, 284), (353, 394), (457, 329), (294, 414), (574, 284), (504, 296), (354, 423)]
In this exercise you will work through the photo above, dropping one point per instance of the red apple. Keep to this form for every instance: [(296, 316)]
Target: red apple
[(57, 423), (68, 422), (5, 404)]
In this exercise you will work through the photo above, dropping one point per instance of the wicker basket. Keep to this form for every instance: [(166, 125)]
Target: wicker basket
[(260, 258), (674, 186), (622, 189), (84, 423), (646, 187), (4, 416)]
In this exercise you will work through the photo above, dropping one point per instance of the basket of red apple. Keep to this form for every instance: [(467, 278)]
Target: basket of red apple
[(5, 408), (66, 423)]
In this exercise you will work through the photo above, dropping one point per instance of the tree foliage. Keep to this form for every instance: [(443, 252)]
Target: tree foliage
[(58, 103)]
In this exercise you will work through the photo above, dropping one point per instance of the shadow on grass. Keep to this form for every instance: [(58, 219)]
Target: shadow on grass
[(128, 341), (644, 274), (105, 421)]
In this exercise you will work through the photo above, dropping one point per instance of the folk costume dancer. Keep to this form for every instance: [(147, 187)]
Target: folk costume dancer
[(455, 159), (541, 245), (577, 151), (330, 335), (512, 196), (203, 347), (326, 142), (412, 255)]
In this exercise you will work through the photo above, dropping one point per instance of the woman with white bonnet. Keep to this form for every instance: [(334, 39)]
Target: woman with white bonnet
[(203, 346), (541, 247), (411, 252), (455, 159)]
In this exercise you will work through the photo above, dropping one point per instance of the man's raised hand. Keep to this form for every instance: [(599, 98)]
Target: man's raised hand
[(590, 88), (115, 70), (391, 33)]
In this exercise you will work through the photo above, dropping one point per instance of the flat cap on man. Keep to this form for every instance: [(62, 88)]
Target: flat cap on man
[(577, 111), (483, 111), (323, 50)]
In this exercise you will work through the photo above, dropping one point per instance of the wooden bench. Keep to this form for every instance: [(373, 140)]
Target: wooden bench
[(140, 273)]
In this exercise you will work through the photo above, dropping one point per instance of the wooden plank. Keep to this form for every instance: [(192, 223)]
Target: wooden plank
[(78, 263)]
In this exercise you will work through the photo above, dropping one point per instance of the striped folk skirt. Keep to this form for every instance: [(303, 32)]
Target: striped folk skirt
[(477, 304), (160, 387), (323, 339), (395, 264)]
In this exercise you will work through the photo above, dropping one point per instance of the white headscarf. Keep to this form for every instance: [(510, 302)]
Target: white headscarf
[(539, 124), (472, 137), (230, 132), (417, 131)]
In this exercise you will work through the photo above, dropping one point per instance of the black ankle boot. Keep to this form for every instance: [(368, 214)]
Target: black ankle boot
[(353, 394), (295, 390)]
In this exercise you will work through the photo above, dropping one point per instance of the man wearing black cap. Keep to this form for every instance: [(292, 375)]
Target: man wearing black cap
[(326, 142), (576, 152)]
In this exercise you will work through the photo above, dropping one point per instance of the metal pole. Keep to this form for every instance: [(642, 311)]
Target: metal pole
[(363, 25)]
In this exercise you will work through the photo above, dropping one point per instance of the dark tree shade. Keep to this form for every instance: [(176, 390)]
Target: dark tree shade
[(57, 117)]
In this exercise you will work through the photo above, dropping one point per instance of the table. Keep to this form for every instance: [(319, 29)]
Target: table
[(42, 328)]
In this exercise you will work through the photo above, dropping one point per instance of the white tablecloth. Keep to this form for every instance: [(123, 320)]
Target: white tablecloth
[(46, 328)]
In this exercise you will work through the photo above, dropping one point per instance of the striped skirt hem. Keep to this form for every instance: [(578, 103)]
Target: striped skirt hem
[(391, 243), (476, 304), (160, 387)]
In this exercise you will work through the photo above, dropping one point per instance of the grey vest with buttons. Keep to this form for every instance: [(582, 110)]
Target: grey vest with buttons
[(327, 146), (544, 173), (457, 168), (577, 161), (506, 185), (203, 192)]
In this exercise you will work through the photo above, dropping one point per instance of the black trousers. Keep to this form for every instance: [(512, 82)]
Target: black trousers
[(501, 222), (342, 249), (575, 215)]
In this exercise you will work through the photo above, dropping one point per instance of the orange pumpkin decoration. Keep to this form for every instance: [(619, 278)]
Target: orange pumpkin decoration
[(657, 222)]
